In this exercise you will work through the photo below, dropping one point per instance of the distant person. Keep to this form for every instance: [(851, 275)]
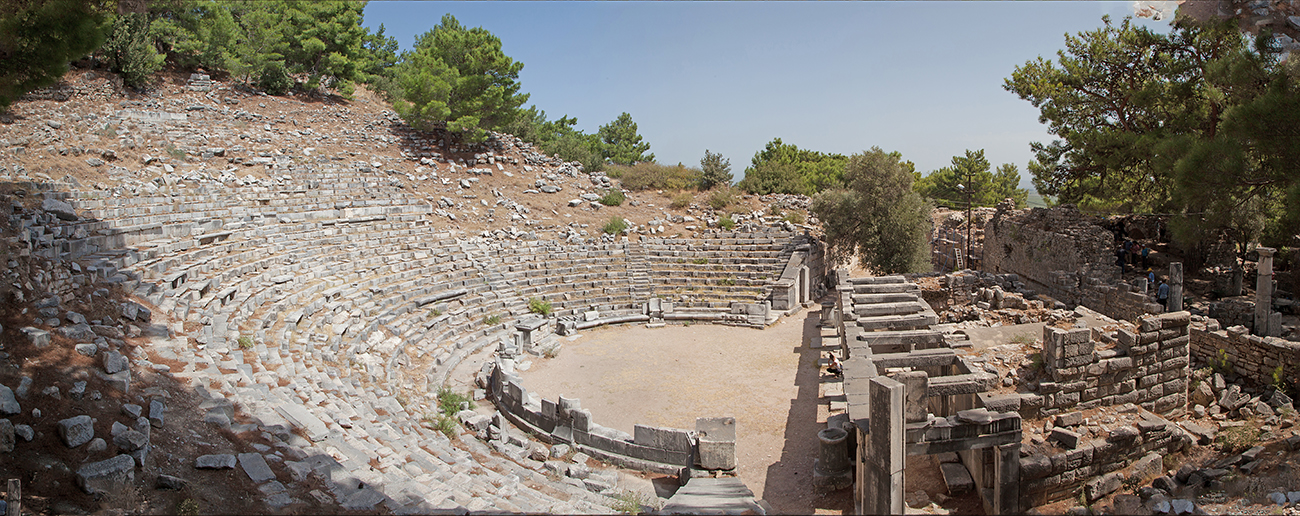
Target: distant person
[(836, 368), (1151, 277), (1163, 295), (1119, 259), (1145, 252)]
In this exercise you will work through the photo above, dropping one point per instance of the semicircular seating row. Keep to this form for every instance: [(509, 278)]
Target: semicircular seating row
[(339, 297)]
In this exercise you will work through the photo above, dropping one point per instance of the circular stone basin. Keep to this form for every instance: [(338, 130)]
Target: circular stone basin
[(667, 377)]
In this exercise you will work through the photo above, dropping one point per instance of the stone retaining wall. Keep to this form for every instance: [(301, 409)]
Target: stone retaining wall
[(1248, 355), (1089, 468), (668, 451)]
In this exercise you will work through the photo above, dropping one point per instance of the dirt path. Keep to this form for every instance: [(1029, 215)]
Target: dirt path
[(766, 379)]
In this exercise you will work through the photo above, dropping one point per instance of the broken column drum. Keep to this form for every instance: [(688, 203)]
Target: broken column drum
[(834, 452)]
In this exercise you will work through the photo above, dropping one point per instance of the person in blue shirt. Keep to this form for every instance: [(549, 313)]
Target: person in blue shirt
[(1151, 277), (1163, 295)]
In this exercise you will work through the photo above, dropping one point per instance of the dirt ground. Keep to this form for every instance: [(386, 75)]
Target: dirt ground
[(767, 379)]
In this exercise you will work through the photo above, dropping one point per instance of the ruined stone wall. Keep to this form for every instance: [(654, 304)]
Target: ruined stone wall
[(1248, 355), (1092, 465), (1050, 249), (1149, 369), (1234, 311), (1119, 301)]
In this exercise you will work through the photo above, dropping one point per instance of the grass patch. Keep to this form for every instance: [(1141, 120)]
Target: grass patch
[(434, 312), (1024, 339), (613, 198), (107, 131), (1237, 438), (726, 223), (730, 282), (700, 261), (539, 306), (492, 320), (175, 153), (451, 401), (631, 502), (794, 217), (615, 226), (245, 342)]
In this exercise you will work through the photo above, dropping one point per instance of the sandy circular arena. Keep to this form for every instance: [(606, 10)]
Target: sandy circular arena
[(766, 379)]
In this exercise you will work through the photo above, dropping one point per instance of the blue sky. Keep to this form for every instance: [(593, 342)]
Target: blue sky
[(921, 78)]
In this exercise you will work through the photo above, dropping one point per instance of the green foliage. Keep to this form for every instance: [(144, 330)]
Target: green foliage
[(621, 144), (275, 79), (434, 312), (726, 223), (700, 261), (558, 137), (682, 200), (793, 217), (878, 217), (1220, 364), (450, 401), (187, 507), (172, 151), (539, 306), (245, 342), (129, 49), (38, 38), (615, 225), (613, 197), (653, 176), (972, 172), (457, 76), (721, 198), (631, 502), (1183, 123), (447, 425), (492, 320), (1237, 438), (730, 282), (785, 168), (715, 170)]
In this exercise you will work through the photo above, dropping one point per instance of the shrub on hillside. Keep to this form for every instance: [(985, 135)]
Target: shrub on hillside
[(615, 226), (275, 80), (682, 200), (653, 176), (726, 223), (613, 198), (720, 198)]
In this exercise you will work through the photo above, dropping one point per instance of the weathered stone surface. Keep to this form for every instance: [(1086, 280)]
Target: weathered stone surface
[(76, 431), (302, 418), (1102, 486), (130, 440), (255, 467), (24, 432), (171, 483), (216, 461), (114, 362), (956, 478), (8, 403), (1067, 438), (107, 476), (60, 209), (7, 440), (156, 410), (77, 332)]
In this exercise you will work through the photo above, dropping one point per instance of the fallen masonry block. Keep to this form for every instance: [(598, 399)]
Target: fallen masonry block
[(107, 476), (217, 461)]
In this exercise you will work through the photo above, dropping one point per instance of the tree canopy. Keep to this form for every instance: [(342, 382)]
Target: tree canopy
[(972, 172), (621, 144), (38, 39), (877, 216), (1200, 122), (459, 76), (785, 168), (716, 170)]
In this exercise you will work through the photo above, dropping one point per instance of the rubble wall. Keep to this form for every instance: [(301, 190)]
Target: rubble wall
[(1049, 478), (1248, 355), (1149, 369)]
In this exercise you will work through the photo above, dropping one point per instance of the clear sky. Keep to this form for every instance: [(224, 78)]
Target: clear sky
[(921, 78)]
